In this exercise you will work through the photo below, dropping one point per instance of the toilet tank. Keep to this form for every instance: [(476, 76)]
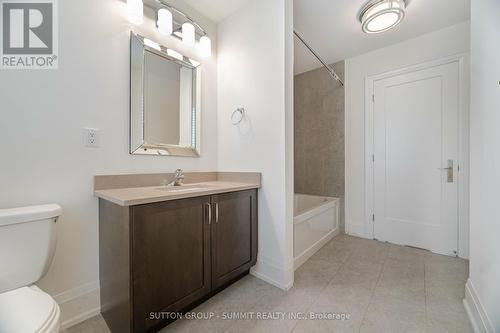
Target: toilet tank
[(27, 244)]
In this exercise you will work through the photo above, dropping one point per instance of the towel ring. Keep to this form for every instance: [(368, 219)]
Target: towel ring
[(237, 116)]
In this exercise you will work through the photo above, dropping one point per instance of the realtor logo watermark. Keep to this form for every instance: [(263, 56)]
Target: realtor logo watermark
[(29, 34)]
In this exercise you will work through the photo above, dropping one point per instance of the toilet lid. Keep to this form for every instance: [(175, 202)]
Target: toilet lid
[(26, 309)]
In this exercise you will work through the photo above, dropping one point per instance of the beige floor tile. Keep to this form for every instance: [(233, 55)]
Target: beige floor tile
[(314, 277), (332, 252), (438, 322), (197, 326), (374, 252), (381, 287), (355, 273), (93, 325), (390, 314), (445, 267), (262, 326), (327, 326), (404, 282), (340, 301)]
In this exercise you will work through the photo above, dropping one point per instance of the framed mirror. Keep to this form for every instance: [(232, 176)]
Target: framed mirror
[(165, 91)]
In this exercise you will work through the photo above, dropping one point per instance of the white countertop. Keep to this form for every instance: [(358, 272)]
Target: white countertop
[(143, 195)]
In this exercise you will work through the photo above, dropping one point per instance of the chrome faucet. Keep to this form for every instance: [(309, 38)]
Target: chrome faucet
[(178, 178)]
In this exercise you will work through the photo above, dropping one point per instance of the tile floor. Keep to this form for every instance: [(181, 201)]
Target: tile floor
[(384, 288)]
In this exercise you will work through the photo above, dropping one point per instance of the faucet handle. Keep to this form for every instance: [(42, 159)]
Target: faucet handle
[(179, 173)]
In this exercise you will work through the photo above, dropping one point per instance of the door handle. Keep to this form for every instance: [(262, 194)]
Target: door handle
[(449, 169), (209, 213), (216, 212)]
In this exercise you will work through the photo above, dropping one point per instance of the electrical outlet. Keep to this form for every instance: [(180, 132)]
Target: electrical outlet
[(91, 137)]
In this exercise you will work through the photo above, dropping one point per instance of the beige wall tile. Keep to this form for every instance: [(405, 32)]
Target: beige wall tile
[(320, 135)]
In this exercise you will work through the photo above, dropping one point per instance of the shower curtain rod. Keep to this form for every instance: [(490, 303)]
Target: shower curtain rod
[(328, 68)]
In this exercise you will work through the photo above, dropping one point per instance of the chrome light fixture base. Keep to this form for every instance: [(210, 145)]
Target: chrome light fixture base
[(381, 15)]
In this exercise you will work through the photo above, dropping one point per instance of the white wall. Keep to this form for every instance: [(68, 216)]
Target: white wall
[(42, 115), (483, 287), (254, 70), (439, 44)]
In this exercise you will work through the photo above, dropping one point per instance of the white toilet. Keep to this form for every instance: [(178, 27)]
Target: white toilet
[(27, 244)]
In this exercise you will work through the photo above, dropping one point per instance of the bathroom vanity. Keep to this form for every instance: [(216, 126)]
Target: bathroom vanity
[(164, 250)]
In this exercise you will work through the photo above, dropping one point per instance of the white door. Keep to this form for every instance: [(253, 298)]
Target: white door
[(415, 139)]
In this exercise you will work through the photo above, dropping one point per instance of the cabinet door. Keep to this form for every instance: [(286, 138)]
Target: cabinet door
[(234, 235), (170, 258)]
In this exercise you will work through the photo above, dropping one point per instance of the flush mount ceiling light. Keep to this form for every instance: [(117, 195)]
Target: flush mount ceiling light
[(382, 15)]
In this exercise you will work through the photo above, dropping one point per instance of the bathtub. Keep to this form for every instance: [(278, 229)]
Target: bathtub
[(316, 222)]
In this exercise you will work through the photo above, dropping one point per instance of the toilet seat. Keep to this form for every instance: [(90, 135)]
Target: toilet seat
[(28, 309)]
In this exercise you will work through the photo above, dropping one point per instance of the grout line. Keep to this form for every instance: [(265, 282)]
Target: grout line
[(326, 286), (373, 291), (250, 307)]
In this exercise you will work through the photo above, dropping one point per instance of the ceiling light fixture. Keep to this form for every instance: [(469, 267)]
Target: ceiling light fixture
[(135, 11), (381, 15)]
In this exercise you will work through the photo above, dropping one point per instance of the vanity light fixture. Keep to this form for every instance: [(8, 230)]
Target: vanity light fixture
[(165, 21), (188, 34), (187, 31), (135, 11), (381, 15)]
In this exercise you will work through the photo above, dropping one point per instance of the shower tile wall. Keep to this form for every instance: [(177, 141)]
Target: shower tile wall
[(320, 134)]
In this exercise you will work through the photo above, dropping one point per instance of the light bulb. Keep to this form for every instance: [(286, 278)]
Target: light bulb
[(152, 44), (188, 34), (205, 46), (164, 22), (135, 11), (175, 54)]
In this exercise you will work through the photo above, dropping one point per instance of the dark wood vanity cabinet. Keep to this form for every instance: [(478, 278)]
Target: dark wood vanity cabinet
[(167, 257), (170, 258), (234, 235)]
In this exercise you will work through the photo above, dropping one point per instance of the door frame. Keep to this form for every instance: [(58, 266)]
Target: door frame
[(463, 145)]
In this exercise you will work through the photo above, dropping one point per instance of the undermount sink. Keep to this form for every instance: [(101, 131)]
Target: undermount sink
[(184, 188)]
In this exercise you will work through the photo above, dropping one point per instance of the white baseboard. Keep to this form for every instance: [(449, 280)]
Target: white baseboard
[(477, 315), (79, 304), (270, 272), (308, 253)]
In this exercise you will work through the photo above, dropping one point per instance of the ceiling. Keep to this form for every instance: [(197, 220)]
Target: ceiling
[(332, 29), (216, 10)]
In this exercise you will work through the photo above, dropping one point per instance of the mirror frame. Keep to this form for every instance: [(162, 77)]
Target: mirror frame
[(138, 144)]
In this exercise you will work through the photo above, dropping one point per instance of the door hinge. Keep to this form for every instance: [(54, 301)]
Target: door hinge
[(373, 217), (373, 98), (373, 157)]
